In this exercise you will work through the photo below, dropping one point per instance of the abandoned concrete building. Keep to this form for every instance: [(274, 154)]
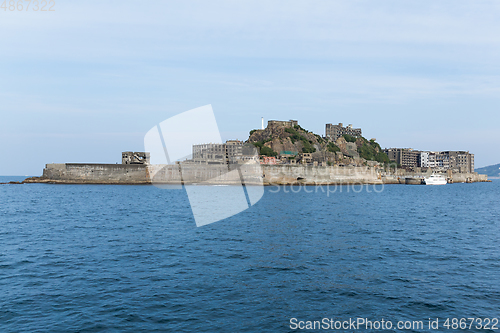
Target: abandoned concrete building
[(405, 157), (460, 161), (132, 157), (285, 123), (230, 152), (333, 132)]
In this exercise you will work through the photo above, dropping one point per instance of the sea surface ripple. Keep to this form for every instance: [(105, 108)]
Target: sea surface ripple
[(93, 258)]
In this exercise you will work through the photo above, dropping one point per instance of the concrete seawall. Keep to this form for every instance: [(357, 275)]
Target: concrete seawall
[(316, 175), (76, 173), (83, 173)]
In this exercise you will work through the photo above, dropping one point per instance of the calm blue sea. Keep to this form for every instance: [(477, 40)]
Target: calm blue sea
[(90, 258)]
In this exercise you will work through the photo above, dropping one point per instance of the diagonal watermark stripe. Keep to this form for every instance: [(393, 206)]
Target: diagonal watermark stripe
[(216, 190)]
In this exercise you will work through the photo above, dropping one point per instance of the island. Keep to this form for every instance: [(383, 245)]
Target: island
[(283, 153)]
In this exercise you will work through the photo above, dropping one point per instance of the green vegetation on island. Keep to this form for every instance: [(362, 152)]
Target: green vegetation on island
[(349, 138), (296, 136), (267, 151), (280, 139), (263, 149), (332, 147), (371, 151)]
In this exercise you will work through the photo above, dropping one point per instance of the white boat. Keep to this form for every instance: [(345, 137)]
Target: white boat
[(435, 180)]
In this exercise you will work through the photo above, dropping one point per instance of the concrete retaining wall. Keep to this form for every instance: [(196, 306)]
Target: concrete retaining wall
[(315, 175), (205, 174), (75, 173)]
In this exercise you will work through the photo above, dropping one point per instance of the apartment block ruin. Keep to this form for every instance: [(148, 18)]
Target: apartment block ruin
[(406, 157), (333, 132), (461, 161), (230, 152)]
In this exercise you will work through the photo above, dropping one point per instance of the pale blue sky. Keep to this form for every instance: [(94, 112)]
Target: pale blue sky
[(86, 82)]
